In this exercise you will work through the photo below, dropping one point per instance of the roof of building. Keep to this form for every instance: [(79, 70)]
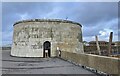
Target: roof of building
[(98, 41), (47, 20)]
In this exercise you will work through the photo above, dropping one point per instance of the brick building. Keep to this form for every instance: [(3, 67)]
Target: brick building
[(92, 48)]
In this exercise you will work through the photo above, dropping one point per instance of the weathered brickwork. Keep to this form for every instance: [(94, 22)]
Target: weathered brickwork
[(30, 35)]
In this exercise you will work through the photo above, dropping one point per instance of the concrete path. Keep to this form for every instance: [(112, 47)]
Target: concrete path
[(14, 65)]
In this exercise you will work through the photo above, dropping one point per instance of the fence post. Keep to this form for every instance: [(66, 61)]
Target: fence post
[(110, 42), (97, 44)]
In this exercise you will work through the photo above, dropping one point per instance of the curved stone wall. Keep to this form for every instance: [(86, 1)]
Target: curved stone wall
[(30, 35)]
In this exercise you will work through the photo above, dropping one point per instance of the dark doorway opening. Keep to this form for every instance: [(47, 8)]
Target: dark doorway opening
[(47, 46)]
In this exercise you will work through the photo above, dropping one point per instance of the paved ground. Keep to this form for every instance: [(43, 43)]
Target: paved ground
[(14, 65)]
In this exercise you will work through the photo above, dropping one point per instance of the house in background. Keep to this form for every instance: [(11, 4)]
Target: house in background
[(91, 47)]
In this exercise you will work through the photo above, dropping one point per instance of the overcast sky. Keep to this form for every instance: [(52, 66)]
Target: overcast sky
[(96, 18)]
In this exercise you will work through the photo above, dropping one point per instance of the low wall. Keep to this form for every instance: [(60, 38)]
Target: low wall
[(105, 64), (6, 48)]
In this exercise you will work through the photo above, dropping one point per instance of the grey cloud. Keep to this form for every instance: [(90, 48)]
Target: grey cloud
[(92, 13), (21, 7), (93, 16)]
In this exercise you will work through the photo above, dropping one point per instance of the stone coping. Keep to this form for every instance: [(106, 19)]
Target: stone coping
[(47, 20), (104, 64)]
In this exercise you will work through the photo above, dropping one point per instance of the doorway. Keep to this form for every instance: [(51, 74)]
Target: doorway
[(47, 46)]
